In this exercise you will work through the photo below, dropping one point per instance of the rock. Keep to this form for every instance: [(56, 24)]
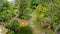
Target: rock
[(3, 30)]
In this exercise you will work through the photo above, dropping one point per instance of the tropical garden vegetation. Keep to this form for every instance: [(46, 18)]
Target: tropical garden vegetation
[(30, 16)]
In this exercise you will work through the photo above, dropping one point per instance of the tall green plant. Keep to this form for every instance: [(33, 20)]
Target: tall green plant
[(7, 10)]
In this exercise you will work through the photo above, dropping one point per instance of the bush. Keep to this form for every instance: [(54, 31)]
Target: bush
[(26, 30), (11, 32), (25, 17), (13, 25), (16, 28), (49, 15), (6, 10), (4, 16)]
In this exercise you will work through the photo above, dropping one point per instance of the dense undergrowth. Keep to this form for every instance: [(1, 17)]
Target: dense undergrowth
[(15, 27), (8, 11), (47, 14)]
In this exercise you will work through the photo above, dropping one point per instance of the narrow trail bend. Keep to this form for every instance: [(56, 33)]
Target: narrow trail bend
[(35, 30), (31, 23)]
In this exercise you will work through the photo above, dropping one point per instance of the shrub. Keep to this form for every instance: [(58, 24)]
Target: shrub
[(26, 30), (13, 25), (16, 28), (25, 17), (6, 10), (11, 32)]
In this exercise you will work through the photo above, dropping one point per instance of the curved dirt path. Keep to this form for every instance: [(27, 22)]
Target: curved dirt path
[(31, 23), (35, 30)]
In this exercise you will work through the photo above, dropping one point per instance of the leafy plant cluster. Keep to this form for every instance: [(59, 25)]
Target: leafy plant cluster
[(16, 28), (6, 10), (48, 12), (24, 8)]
